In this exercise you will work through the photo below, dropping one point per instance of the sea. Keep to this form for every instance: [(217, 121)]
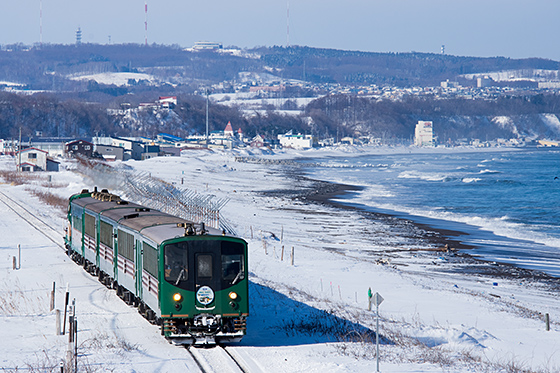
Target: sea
[(504, 203)]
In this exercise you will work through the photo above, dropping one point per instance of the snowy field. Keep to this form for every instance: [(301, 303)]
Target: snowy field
[(308, 317)]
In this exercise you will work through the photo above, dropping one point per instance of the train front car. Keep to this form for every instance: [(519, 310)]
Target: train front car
[(204, 292)]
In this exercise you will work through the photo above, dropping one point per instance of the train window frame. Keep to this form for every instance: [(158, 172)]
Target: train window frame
[(173, 273)]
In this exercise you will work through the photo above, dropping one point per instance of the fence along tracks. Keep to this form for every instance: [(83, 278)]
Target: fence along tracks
[(152, 192)]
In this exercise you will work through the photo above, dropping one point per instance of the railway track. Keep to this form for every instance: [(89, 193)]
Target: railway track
[(33, 220), (216, 359), (220, 359)]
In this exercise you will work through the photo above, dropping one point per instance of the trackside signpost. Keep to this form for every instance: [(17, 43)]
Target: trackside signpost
[(376, 299)]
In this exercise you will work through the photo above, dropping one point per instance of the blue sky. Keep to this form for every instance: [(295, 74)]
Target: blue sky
[(510, 28)]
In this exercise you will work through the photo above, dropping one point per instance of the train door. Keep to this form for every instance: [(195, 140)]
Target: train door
[(207, 279)]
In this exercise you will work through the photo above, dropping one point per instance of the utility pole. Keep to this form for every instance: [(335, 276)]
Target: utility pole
[(206, 117), (19, 150)]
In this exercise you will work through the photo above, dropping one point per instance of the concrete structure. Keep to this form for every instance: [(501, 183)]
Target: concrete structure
[(423, 134)]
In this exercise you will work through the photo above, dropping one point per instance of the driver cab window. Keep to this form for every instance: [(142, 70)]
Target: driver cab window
[(176, 263), (232, 267)]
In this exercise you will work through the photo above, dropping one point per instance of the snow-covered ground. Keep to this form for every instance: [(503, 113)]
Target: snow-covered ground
[(118, 79), (308, 317)]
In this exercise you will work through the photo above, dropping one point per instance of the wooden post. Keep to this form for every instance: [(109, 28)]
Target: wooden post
[(19, 256), (57, 322), (52, 298), (282, 255), (65, 309), (14, 262), (292, 256), (547, 321)]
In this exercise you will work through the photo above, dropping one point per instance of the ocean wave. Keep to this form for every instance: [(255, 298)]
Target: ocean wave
[(487, 171), (470, 179), (343, 165), (427, 176)]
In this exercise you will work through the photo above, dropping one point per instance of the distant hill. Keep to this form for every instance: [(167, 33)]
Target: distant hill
[(49, 66), (400, 69)]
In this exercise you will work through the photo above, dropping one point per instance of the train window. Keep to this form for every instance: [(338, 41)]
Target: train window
[(232, 268), (106, 234), (176, 263), (150, 259), (77, 223), (125, 246), (89, 226), (204, 266)]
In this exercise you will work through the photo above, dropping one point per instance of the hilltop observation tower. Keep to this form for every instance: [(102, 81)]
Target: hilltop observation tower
[(78, 36)]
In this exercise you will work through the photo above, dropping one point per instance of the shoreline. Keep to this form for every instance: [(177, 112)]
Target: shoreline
[(442, 240)]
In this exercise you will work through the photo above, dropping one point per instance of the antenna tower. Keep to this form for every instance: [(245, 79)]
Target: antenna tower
[(287, 24), (146, 23), (443, 49), (41, 22)]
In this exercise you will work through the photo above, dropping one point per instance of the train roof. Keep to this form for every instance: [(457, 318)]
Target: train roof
[(154, 224)]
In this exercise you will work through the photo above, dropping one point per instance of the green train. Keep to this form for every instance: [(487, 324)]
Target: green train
[(190, 279)]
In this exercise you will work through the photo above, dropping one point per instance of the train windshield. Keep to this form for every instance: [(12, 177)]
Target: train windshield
[(176, 263), (233, 263), (183, 259)]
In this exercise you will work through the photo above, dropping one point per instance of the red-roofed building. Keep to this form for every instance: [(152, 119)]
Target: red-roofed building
[(229, 130)]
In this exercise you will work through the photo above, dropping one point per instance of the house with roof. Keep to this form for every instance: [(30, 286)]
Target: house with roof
[(79, 147), (33, 159), (110, 152), (258, 142)]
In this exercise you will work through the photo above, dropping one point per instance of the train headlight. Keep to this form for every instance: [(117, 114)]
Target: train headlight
[(233, 295), (177, 297)]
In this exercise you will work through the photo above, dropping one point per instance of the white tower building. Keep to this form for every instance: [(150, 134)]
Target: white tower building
[(423, 134)]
